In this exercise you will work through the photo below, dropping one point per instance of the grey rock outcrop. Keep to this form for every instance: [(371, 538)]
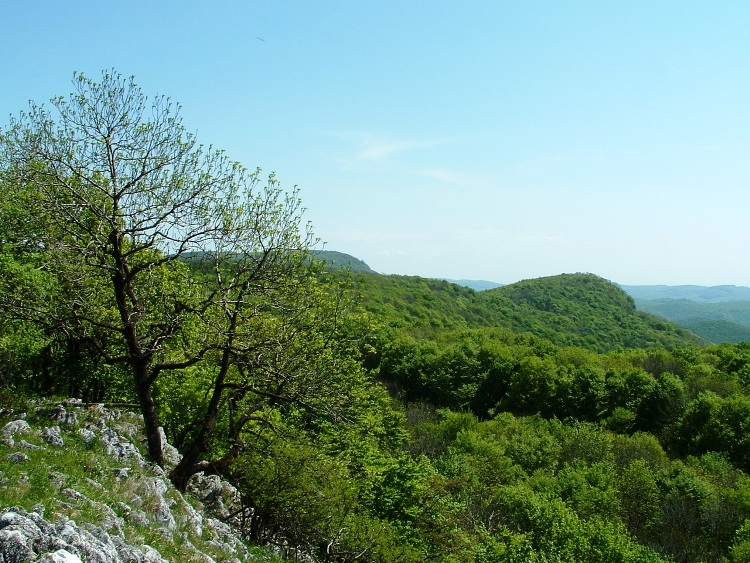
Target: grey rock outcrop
[(219, 497), (25, 536), (18, 457), (12, 428), (87, 435), (63, 417), (120, 447), (52, 436), (143, 503)]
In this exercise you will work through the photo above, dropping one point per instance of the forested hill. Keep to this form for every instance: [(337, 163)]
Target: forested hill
[(569, 310), (585, 310), (339, 260)]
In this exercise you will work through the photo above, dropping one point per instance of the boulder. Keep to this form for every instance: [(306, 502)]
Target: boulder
[(119, 447), (52, 436), (15, 427), (18, 457), (62, 416)]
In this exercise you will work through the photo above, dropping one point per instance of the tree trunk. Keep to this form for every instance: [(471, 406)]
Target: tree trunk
[(187, 467), (150, 418), (189, 464)]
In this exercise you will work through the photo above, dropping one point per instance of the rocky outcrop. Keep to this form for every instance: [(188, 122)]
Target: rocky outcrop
[(118, 508), (24, 536)]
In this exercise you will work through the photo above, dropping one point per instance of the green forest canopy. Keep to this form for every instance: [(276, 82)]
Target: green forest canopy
[(362, 417)]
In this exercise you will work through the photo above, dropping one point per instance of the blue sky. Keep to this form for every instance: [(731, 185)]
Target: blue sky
[(485, 140)]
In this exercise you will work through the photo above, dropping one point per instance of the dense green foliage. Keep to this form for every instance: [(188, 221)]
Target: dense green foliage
[(569, 310), (493, 446), (585, 310), (546, 420)]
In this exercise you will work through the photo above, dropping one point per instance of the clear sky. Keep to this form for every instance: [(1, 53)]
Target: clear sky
[(490, 140)]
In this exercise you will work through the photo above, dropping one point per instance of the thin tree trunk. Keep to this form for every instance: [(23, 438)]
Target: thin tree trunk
[(189, 464), (150, 418), (140, 358)]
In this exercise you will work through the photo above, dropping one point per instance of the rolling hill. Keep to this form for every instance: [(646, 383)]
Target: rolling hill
[(340, 260), (569, 310)]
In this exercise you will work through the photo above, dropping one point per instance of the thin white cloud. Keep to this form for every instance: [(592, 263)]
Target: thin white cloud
[(375, 148), (451, 177), (371, 148)]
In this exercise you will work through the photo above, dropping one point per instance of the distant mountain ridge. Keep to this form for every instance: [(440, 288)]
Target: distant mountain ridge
[(727, 321), (718, 313), (696, 293), (477, 285)]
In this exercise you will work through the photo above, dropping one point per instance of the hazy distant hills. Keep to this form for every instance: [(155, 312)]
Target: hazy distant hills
[(718, 313), (696, 293), (478, 285), (727, 321), (684, 309)]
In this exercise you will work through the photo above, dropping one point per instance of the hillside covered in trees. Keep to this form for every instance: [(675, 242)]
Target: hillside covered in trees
[(359, 417), (716, 321), (570, 309)]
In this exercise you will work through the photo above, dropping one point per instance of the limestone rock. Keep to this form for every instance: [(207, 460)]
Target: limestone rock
[(26, 536), (119, 447), (218, 496), (26, 446), (171, 456), (52, 436), (87, 435), (18, 457), (15, 427), (62, 416), (60, 556)]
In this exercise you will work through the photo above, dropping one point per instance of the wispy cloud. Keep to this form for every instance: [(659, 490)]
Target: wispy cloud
[(374, 148), (451, 177), (377, 149)]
